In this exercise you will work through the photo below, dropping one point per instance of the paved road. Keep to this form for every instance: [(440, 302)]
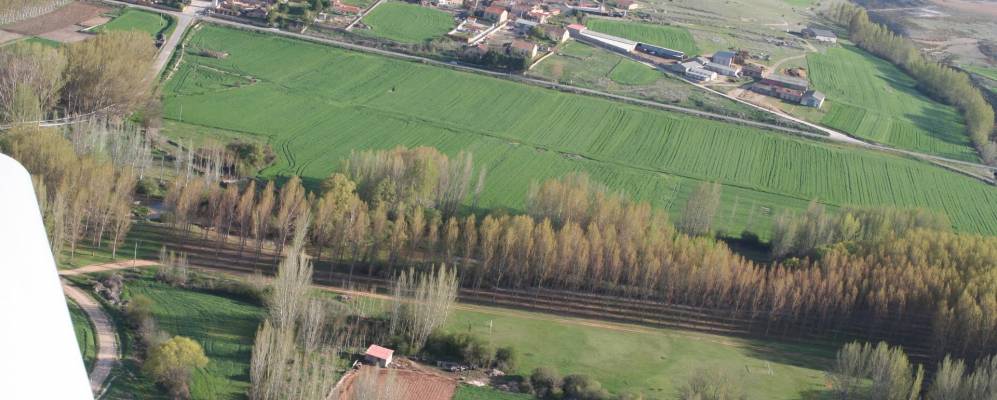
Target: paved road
[(108, 352), (166, 50), (828, 134)]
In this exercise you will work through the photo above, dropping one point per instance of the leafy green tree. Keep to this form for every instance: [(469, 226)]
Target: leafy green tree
[(171, 363)]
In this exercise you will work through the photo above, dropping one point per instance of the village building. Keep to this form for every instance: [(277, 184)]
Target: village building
[(476, 52), (524, 26), (450, 3), (813, 98), (628, 5), (471, 31), (523, 48), (603, 40), (700, 75), (378, 355), (555, 33), (660, 51), (788, 88), (576, 29), (754, 70), (821, 35), (725, 58), (685, 67), (733, 70), (345, 9), (541, 16), (497, 14)]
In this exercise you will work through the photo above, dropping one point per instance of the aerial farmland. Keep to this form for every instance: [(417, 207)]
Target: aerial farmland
[(532, 134), (500, 199)]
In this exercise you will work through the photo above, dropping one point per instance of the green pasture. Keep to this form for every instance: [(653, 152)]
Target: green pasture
[(988, 72), (138, 20), (329, 102), (407, 23), (872, 99), (633, 73), (653, 362), (85, 335), (672, 37), (224, 327), (465, 392)]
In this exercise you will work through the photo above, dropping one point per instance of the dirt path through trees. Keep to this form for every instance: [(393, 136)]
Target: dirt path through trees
[(108, 352)]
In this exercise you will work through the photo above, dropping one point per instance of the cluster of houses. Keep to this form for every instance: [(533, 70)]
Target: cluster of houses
[(525, 19), (254, 9)]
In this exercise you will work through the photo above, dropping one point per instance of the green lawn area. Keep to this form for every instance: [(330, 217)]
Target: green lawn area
[(407, 23), (138, 20), (872, 99), (989, 72), (672, 37), (465, 392), (224, 326), (84, 333), (359, 3), (654, 362), (629, 72), (330, 101)]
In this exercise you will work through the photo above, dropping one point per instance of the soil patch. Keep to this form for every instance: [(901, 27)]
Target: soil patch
[(65, 17)]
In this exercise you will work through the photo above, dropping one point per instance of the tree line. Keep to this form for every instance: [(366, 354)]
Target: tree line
[(85, 192), (868, 269), (939, 81), (884, 372)]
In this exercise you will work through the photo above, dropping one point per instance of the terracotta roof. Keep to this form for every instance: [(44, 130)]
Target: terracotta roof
[(494, 10), (577, 27), (379, 352)]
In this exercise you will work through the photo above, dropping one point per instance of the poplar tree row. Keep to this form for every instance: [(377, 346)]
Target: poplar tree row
[(863, 271), (939, 81)]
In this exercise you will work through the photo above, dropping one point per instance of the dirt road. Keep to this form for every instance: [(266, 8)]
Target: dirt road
[(108, 352), (93, 268)]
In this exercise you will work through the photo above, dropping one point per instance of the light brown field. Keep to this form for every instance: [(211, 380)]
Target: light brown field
[(59, 20)]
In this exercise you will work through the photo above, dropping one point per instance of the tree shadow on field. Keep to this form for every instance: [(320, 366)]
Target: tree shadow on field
[(814, 356)]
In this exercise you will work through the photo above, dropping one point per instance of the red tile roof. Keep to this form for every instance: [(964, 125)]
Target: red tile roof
[(379, 352), (577, 27)]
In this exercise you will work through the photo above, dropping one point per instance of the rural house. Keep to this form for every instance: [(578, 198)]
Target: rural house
[(497, 14), (626, 5), (555, 33), (523, 49), (732, 70), (701, 75), (725, 58), (813, 98), (378, 355), (821, 35), (754, 70), (524, 26)]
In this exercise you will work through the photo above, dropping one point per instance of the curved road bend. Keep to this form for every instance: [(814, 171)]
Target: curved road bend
[(832, 135), (108, 352)]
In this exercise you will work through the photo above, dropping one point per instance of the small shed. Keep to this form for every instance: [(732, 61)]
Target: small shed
[(378, 355)]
